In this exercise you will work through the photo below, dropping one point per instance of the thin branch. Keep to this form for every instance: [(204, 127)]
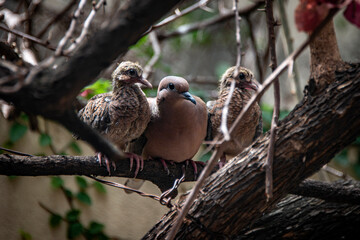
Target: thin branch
[(178, 14), (237, 34), (85, 28), (157, 53), (16, 152), (29, 37), (275, 118), (218, 150), (224, 114), (332, 192), (223, 17), (289, 42), (71, 28), (56, 18)]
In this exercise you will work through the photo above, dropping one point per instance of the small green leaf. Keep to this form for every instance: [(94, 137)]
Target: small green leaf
[(44, 140), (57, 182), (55, 220), (99, 187), (68, 193), (75, 147), (74, 230), (25, 235), (95, 228), (84, 198), (81, 182), (73, 215), (17, 131)]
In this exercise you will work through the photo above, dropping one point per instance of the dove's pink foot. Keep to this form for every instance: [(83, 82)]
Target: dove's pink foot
[(194, 164), (101, 156), (139, 162)]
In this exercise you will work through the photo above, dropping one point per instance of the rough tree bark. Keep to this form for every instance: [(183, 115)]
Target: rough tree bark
[(308, 138), (307, 218)]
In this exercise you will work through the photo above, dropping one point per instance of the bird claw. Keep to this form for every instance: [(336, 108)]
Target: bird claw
[(139, 162), (163, 162), (101, 156), (194, 164)]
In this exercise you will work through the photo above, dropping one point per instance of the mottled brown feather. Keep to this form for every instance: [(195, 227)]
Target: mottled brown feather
[(123, 114), (245, 132)]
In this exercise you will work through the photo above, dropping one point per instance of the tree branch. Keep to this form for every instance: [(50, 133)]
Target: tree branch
[(88, 165), (307, 218), (234, 196)]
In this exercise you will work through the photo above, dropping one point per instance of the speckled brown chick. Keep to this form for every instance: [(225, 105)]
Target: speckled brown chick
[(251, 125), (123, 114)]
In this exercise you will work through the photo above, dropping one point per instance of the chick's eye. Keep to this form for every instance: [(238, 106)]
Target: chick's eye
[(171, 86), (132, 72), (242, 76)]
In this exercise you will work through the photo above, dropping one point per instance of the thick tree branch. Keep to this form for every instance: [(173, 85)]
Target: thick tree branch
[(307, 218), (341, 191), (88, 165), (307, 139)]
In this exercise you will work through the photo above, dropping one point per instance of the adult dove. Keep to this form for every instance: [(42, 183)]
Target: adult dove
[(178, 124), (123, 114), (251, 125)]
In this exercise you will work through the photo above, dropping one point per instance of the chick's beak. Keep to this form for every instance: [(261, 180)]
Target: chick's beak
[(144, 82), (188, 96)]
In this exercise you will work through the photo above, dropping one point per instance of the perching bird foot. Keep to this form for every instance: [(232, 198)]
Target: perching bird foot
[(101, 156), (139, 162), (163, 162), (194, 164)]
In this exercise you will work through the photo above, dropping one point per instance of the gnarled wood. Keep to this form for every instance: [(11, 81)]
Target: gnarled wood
[(308, 138)]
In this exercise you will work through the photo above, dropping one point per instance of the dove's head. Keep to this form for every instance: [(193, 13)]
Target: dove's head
[(243, 77), (129, 73), (172, 88)]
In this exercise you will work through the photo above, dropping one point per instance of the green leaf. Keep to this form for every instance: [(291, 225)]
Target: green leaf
[(81, 182), (17, 131), (99, 187), (68, 193), (44, 140), (55, 220), (74, 230), (57, 182), (84, 198), (221, 68), (25, 235), (73, 215), (75, 147), (95, 228)]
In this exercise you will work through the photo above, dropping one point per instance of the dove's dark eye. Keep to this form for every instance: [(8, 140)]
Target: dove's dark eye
[(241, 76), (132, 72), (171, 86)]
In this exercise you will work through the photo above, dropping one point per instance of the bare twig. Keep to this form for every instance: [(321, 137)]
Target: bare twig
[(237, 34), (228, 15), (218, 151), (56, 18), (273, 63), (86, 27), (29, 37), (16, 152), (157, 52), (224, 114), (71, 29), (178, 14), (289, 42)]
